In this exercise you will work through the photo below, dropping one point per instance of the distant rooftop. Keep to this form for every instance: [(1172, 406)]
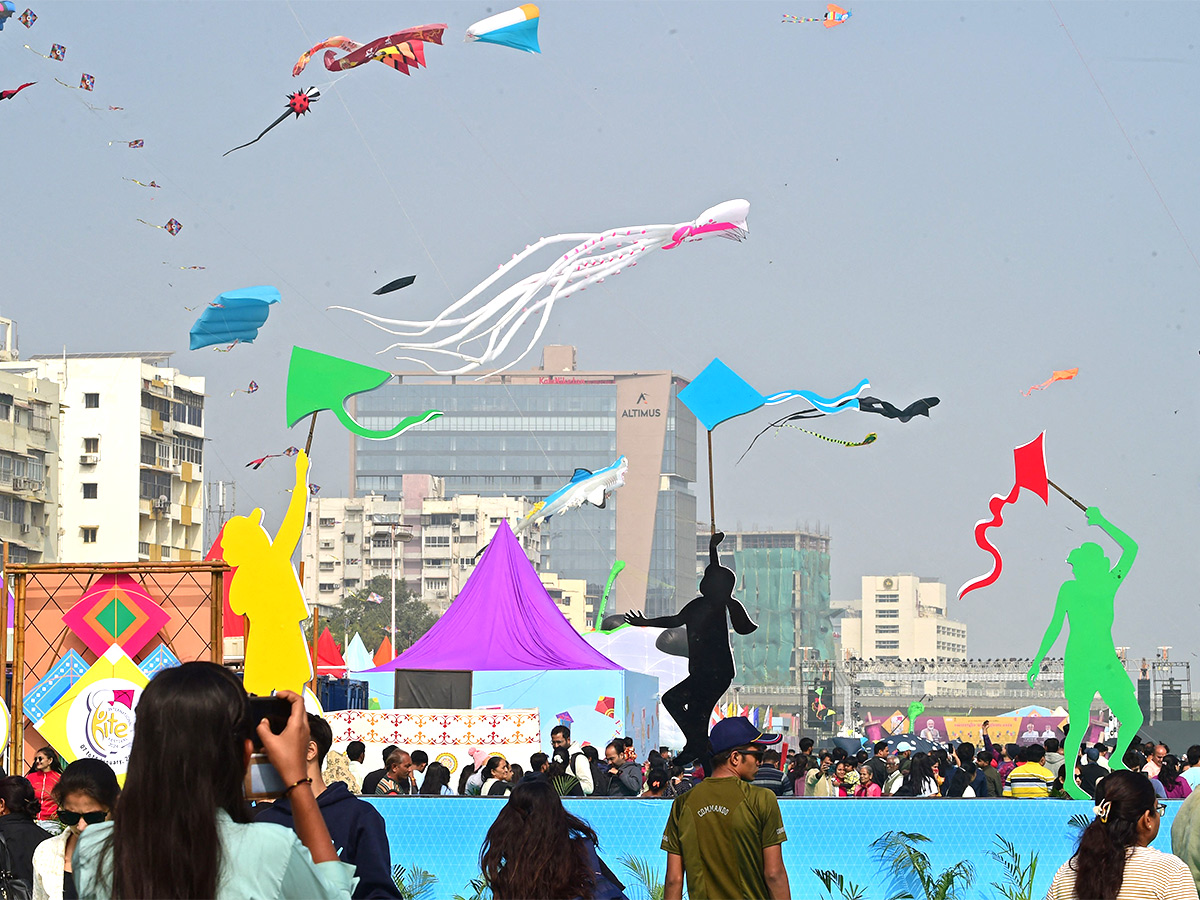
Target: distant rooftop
[(150, 355)]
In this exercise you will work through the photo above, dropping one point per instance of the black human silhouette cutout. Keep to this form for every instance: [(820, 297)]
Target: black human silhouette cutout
[(710, 658)]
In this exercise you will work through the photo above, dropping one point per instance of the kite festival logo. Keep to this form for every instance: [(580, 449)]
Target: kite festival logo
[(101, 720)]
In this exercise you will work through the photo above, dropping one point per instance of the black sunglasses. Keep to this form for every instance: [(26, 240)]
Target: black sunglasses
[(753, 751), (70, 819)]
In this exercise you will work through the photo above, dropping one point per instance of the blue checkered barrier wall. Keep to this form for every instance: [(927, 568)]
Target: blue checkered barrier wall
[(443, 835)]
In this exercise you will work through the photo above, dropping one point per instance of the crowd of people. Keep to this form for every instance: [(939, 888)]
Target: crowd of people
[(182, 826)]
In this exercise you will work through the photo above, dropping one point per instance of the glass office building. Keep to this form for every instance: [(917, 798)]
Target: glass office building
[(525, 433)]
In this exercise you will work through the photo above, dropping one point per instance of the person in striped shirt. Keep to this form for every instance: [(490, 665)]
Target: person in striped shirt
[(1030, 780), (1115, 859)]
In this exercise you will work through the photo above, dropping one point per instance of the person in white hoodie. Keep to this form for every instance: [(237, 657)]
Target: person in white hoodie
[(577, 764), (86, 795)]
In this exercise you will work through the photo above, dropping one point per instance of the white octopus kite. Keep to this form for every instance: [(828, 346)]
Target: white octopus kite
[(586, 263)]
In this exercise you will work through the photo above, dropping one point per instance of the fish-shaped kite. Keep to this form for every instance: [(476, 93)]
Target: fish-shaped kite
[(585, 486), (834, 16), (396, 285), (298, 104), (8, 95), (498, 319), (400, 50), (1060, 375), (234, 316), (516, 28)]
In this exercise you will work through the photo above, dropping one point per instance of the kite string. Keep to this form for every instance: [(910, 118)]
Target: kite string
[(1125, 134)]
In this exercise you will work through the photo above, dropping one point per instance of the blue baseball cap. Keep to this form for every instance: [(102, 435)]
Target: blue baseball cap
[(737, 731)]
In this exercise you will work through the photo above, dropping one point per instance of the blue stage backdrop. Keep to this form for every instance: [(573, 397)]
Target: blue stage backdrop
[(443, 836)]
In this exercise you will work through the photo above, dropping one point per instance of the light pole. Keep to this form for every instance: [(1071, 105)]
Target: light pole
[(393, 521)]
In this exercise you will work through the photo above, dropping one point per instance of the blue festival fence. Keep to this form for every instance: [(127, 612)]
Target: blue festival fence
[(442, 835)]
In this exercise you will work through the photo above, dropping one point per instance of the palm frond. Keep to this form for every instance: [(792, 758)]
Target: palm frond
[(647, 874), (414, 883), (479, 891), (848, 889)]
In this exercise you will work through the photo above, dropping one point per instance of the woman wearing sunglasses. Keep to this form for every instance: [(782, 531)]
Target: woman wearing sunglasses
[(1114, 860), (86, 795), (21, 835)]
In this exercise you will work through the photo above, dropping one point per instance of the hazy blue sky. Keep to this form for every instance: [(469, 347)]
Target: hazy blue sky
[(941, 202)]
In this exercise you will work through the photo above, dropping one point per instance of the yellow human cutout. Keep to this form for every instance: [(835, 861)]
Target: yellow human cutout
[(265, 588)]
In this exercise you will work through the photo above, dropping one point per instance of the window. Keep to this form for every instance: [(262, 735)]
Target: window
[(155, 485), (325, 567), (350, 582), (328, 587), (90, 489), (327, 522), (887, 598), (887, 629), (437, 540), (91, 445), (188, 407), (887, 613), (348, 538), (89, 535), (186, 448), (91, 401), (887, 645)]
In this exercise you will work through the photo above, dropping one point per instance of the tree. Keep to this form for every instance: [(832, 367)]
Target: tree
[(373, 620)]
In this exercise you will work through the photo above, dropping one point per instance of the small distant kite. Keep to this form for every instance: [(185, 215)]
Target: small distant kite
[(396, 285), (8, 95), (173, 226), (1061, 375), (57, 52), (607, 706), (834, 16), (516, 28), (565, 719), (246, 390), (234, 316), (132, 145), (883, 408), (298, 104), (152, 184), (86, 83), (595, 256), (313, 489), (110, 109), (28, 18), (255, 463), (400, 50)]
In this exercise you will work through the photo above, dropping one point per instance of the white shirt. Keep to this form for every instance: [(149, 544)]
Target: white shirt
[(1149, 875)]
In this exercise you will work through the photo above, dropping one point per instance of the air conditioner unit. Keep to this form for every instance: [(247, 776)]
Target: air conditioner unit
[(89, 459), (162, 503), (25, 527)]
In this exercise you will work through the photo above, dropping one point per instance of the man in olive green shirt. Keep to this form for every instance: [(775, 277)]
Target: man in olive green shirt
[(726, 834)]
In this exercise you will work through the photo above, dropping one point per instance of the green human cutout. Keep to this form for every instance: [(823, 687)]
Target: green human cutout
[(1090, 664)]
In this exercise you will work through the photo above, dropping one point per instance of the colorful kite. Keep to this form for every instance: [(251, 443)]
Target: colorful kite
[(589, 262), (234, 316), (256, 463), (8, 95), (86, 82), (1062, 375), (317, 381), (57, 52), (246, 390), (28, 18), (298, 104), (173, 226), (1030, 463), (607, 706), (869, 439), (313, 489), (132, 145), (399, 50), (396, 285), (585, 486), (152, 184), (516, 28), (565, 719), (834, 16)]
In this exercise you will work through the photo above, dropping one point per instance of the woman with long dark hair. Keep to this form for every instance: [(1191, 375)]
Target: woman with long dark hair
[(1174, 786), (535, 848), (181, 828), (437, 781), (919, 780), (21, 835), (1114, 859), (86, 795), (44, 775)]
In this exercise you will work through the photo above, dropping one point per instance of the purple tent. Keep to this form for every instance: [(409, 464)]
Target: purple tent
[(502, 620)]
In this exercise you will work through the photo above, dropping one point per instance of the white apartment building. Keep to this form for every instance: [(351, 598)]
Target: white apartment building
[(349, 540), (455, 530), (901, 617), (131, 440), (29, 443)]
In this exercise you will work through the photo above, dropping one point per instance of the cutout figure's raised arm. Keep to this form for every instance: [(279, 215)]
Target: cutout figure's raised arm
[(639, 619), (292, 527), (1128, 546)]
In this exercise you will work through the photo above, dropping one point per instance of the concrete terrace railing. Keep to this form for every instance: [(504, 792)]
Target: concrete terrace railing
[(443, 835)]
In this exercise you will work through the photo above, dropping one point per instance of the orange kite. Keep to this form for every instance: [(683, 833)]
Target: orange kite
[(1064, 375)]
